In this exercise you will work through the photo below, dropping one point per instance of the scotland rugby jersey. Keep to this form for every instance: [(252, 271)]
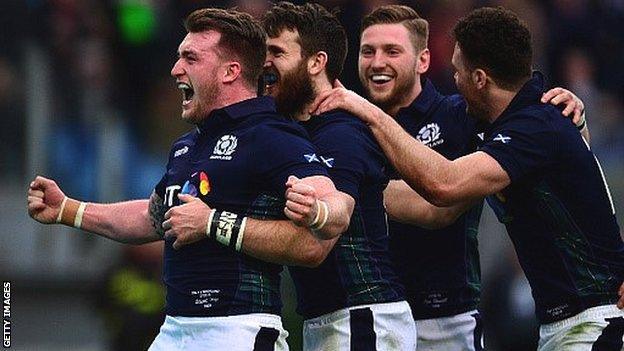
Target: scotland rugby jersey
[(238, 160), (439, 268), (557, 209), (358, 269)]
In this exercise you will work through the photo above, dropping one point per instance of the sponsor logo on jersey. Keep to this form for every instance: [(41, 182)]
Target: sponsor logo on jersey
[(170, 194), (226, 145), (430, 135), (204, 184), (189, 189), (181, 151)]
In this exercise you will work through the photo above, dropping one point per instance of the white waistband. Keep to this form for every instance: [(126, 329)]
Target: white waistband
[(598, 312), (387, 307), (257, 318)]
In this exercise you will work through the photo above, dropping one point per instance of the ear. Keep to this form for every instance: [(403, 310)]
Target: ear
[(424, 59), (317, 63), (479, 78), (232, 72)]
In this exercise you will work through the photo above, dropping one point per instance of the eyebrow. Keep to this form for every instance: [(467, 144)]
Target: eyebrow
[(274, 49), (383, 46), (186, 53)]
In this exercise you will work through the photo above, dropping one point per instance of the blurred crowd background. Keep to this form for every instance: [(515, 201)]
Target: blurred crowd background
[(86, 98)]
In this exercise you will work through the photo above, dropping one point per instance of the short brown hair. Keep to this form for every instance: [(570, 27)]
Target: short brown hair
[(494, 39), (319, 30), (242, 37), (417, 26)]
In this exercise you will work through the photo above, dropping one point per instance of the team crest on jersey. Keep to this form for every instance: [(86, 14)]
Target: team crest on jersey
[(226, 145), (430, 135)]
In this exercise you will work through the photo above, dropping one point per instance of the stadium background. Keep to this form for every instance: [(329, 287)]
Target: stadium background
[(86, 98)]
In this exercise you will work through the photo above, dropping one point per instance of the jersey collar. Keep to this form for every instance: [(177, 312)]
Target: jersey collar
[(239, 110), (428, 96), (529, 94)]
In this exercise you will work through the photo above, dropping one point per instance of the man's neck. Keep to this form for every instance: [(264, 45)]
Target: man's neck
[(499, 100), (232, 96), (407, 100), (229, 97), (320, 85)]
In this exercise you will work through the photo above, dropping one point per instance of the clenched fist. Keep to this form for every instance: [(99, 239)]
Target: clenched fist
[(44, 200)]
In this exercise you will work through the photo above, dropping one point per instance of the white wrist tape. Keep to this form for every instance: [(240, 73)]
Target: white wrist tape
[(60, 215), (323, 217), (226, 228), (79, 214), (71, 213)]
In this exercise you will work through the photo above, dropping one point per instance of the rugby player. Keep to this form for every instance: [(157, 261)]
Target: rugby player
[(540, 177), (435, 250), (237, 159), (352, 300)]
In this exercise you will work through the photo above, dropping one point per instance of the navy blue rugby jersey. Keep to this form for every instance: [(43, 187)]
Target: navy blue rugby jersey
[(439, 268), (238, 159), (358, 270), (557, 209)]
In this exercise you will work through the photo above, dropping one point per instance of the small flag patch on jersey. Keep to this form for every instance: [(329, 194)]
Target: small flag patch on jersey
[(503, 139), (311, 158), (329, 161)]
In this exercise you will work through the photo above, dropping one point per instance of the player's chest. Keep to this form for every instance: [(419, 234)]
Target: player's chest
[(211, 167), (440, 134)]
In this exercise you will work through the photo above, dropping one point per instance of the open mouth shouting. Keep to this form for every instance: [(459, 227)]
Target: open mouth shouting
[(270, 78), (187, 93)]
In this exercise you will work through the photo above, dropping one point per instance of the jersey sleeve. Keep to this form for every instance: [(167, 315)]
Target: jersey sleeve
[(522, 145), (284, 150), (347, 152), (159, 189)]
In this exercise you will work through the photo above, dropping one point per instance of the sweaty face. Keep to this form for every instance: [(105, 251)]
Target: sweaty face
[(388, 65), (196, 72), (287, 68)]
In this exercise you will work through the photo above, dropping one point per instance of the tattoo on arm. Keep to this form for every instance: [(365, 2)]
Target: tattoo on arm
[(157, 211)]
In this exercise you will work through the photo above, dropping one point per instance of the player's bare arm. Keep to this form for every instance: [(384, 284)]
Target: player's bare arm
[(438, 180), (405, 205), (277, 241), (125, 222)]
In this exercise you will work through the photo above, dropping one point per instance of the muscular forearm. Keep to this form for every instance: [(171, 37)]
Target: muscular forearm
[(405, 205), (426, 171), (282, 242), (126, 222), (340, 208)]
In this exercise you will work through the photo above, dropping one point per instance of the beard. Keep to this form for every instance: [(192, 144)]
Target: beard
[(203, 100), (295, 91), (475, 106), (403, 84)]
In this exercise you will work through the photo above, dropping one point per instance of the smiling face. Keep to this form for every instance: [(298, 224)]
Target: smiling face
[(389, 65), (291, 84), (196, 72)]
